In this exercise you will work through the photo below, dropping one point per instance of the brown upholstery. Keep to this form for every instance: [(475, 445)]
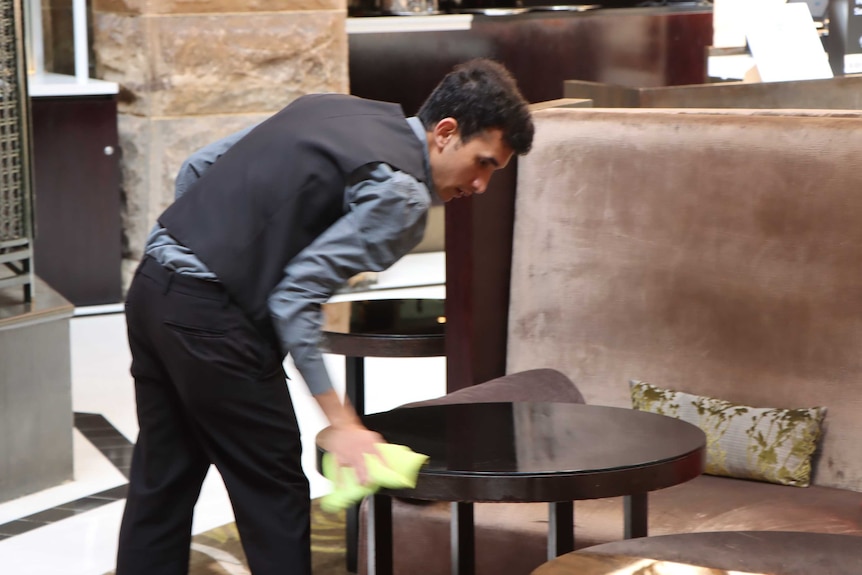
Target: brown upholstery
[(511, 537), (718, 254), (714, 253), (780, 552)]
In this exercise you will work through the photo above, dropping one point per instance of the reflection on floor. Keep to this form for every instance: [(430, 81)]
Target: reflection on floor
[(71, 529)]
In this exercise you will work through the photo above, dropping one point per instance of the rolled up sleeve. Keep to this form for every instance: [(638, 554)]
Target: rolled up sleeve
[(385, 219)]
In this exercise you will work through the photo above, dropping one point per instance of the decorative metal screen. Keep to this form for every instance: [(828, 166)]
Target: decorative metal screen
[(16, 217)]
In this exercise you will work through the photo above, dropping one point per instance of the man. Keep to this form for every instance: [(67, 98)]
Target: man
[(267, 224)]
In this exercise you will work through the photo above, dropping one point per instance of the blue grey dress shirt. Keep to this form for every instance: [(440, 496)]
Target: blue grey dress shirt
[(385, 218)]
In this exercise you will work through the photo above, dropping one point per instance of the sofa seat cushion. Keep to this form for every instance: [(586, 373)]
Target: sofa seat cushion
[(511, 537), (785, 552)]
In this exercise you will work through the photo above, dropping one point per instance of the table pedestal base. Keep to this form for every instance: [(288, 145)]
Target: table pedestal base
[(463, 539), (354, 382), (561, 528), (380, 535), (561, 531), (635, 509)]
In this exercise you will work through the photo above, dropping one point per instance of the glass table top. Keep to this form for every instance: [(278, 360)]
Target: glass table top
[(536, 438), (395, 317)]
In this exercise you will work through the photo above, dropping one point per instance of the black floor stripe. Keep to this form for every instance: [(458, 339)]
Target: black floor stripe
[(114, 446), (106, 439)]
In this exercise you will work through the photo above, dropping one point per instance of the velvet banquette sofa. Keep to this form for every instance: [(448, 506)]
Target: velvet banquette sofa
[(716, 253)]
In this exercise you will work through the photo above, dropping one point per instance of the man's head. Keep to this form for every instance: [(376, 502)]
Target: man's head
[(476, 119)]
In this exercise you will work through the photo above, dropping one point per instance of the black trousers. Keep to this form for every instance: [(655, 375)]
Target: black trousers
[(209, 390)]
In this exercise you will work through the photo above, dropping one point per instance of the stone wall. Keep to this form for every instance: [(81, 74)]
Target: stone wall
[(192, 71)]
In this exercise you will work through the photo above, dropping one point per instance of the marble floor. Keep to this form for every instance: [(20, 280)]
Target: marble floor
[(71, 529)]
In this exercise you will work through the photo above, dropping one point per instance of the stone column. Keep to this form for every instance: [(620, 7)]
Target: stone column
[(192, 71)]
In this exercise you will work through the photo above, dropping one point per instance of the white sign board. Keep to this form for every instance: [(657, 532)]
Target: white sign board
[(785, 45), (729, 18)]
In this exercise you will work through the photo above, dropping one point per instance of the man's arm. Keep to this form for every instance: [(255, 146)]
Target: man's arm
[(346, 438), (385, 220)]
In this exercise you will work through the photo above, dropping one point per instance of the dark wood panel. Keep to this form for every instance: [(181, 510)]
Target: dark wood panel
[(840, 93), (78, 228), (478, 264), (632, 47)]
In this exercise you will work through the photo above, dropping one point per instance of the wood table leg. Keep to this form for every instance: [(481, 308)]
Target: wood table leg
[(354, 379), (463, 539), (380, 535), (355, 391), (636, 511), (351, 538), (561, 528)]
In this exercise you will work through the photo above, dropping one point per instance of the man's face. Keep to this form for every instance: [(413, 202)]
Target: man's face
[(462, 169)]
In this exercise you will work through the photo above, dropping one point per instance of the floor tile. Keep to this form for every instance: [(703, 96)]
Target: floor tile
[(49, 516), (17, 527)]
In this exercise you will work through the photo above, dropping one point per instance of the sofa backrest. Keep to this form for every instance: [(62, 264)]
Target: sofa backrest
[(713, 252)]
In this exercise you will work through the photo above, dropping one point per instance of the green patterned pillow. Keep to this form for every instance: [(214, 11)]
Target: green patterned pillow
[(773, 445)]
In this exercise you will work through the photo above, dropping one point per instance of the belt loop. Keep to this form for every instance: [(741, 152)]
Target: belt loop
[(226, 299), (169, 282)]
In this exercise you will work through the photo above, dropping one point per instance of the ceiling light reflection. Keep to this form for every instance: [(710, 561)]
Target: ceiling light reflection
[(653, 567)]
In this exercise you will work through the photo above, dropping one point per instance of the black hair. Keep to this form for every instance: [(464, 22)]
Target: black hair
[(481, 94)]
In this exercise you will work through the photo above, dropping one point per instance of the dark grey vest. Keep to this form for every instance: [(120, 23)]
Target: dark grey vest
[(278, 188)]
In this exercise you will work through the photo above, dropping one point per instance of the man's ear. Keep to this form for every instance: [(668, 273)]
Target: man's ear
[(444, 131)]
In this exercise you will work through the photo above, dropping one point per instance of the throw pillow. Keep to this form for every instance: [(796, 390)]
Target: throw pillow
[(765, 444)]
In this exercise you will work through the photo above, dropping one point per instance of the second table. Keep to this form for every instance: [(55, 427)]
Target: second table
[(412, 327), (532, 452)]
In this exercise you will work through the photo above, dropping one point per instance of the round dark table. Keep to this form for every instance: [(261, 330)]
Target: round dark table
[(774, 552), (379, 328), (529, 452)]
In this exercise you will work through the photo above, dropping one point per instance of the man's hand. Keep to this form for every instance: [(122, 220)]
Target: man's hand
[(349, 444), (346, 438)]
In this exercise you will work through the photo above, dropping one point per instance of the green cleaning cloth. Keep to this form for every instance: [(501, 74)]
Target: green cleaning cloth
[(398, 470)]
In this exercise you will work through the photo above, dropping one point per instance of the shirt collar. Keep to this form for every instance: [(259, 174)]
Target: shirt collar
[(419, 130)]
